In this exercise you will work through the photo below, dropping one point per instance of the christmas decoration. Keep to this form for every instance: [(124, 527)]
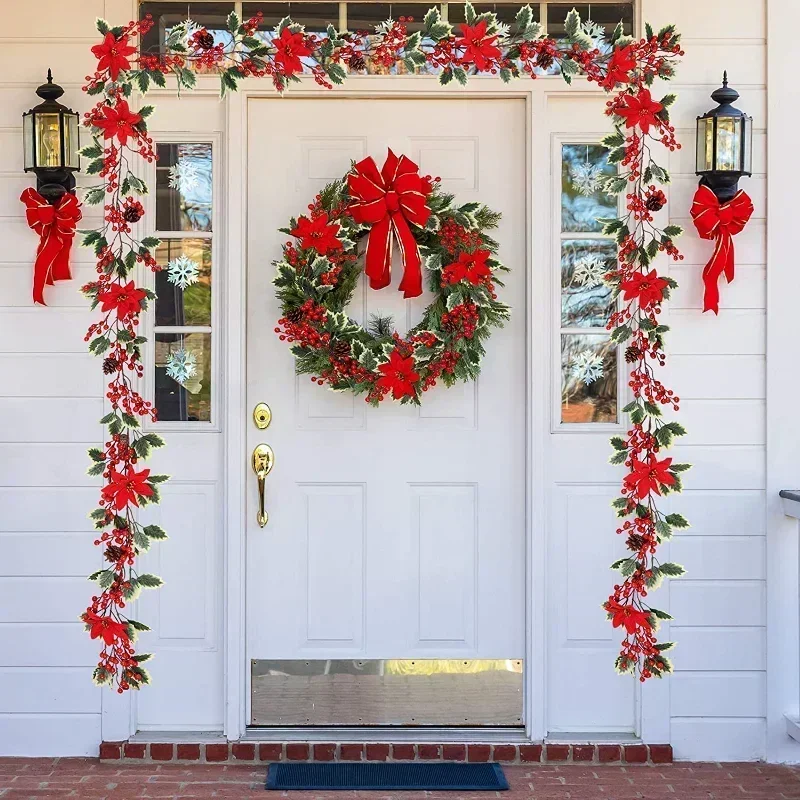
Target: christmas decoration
[(587, 367), (181, 366), (624, 67), (589, 271), (55, 225), (719, 221), (183, 271), (587, 178), (184, 176), (317, 275)]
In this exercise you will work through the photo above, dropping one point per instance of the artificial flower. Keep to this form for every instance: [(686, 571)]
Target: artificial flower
[(289, 47), (127, 299), (398, 375), (105, 628), (627, 616), (118, 122), (317, 234), (479, 49), (648, 288), (126, 487), (648, 476), (113, 54), (471, 267), (619, 66), (639, 110)]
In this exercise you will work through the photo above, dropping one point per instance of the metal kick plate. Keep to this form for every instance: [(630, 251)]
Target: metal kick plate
[(401, 692)]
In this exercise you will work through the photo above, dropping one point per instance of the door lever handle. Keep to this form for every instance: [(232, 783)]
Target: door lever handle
[(263, 461)]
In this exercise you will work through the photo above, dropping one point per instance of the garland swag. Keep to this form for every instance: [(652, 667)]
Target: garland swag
[(625, 68)]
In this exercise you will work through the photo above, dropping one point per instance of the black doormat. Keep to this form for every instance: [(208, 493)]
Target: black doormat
[(433, 777)]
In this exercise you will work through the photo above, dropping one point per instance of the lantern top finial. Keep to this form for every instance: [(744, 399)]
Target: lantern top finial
[(49, 90), (725, 95)]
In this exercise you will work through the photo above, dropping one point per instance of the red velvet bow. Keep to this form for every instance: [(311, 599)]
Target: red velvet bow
[(56, 228), (388, 200), (721, 222)]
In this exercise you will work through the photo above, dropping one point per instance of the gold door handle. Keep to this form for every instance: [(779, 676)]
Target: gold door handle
[(263, 461)]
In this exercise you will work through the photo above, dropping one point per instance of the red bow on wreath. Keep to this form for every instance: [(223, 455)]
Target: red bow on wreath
[(56, 228), (388, 200), (721, 222)]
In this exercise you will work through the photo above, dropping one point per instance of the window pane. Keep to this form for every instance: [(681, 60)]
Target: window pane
[(315, 16), (183, 187), (506, 12), (588, 378), (605, 14), (583, 167), (585, 299), (211, 16), (183, 285), (183, 377), (365, 16)]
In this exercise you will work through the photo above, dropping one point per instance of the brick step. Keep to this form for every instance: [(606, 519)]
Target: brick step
[(255, 752)]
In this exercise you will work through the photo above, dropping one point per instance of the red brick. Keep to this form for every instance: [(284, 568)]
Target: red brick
[(243, 751), (110, 751), (403, 752), (479, 752), (504, 752), (607, 753), (530, 753), (582, 752), (162, 751), (429, 752), (134, 749), (661, 753), (271, 751), (351, 752), (324, 752), (189, 752), (635, 753), (216, 752), (454, 752), (297, 751), (556, 752), (377, 752)]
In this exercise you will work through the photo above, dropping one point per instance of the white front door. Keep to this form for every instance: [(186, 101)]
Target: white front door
[(394, 532)]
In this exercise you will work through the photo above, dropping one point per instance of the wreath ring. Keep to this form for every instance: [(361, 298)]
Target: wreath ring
[(320, 267)]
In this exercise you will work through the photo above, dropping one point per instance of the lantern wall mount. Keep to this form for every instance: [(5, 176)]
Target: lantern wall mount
[(724, 144), (51, 141)]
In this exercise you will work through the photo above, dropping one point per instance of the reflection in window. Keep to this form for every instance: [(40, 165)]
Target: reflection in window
[(583, 169), (183, 377), (211, 16), (588, 378), (315, 16), (506, 12), (183, 285), (184, 187), (607, 15), (586, 300)]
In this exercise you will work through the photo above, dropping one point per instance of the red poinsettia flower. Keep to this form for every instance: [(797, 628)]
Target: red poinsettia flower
[(318, 234), (105, 628), (639, 110), (619, 66), (290, 46), (127, 300), (471, 267), (118, 122), (648, 288), (125, 487), (627, 616), (113, 54), (398, 375), (479, 49), (648, 476)]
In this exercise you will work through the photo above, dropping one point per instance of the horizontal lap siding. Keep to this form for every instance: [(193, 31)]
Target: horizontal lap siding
[(717, 367)]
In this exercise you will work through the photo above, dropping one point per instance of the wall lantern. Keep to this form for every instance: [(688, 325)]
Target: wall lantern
[(50, 138), (724, 144)]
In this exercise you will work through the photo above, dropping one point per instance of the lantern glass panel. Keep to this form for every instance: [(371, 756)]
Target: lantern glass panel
[(747, 122), (48, 140), (729, 144), (27, 140), (71, 141), (705, 144)]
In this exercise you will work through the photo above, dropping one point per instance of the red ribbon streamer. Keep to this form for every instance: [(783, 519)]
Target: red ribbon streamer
[(56, 228), (721, 222), (388, 200)]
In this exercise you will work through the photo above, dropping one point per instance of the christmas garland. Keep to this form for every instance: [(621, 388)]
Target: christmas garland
[(623, 67), (316, 278)]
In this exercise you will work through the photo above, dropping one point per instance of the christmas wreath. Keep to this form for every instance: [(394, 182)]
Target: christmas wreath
[(355, 221)]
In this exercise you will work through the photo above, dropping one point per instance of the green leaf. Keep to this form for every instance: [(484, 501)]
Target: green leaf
[(672, 570), (233, 22), (149, 581), (679, 467), (572, 24), (618, 443), (102, 26), (677, 521), (660, 614), (673, 231), (139, 626), (460, 75), (155, 532)]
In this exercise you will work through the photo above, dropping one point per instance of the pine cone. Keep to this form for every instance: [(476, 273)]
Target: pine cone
[(356, 63), (635, 541), (294, 316), (204, 39), (545, 61), (340, 348), (656, 201), (113, 553), (132, 214), (632, 354), (110, 365)]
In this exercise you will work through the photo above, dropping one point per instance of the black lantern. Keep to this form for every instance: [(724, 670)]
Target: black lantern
[(50, 138), (724, 144)]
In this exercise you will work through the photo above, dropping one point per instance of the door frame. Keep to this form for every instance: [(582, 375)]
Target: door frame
[(653, 717)]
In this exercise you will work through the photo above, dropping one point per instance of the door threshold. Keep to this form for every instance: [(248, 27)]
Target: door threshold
[(386, 734)]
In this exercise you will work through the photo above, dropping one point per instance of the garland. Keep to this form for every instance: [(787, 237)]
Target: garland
[(625, 68)]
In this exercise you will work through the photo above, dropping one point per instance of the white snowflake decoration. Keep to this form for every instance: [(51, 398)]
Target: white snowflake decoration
[(587, 178), (183, 271), (589, 271), (587, 367), (181, 365), (184, 176), (594, 30)]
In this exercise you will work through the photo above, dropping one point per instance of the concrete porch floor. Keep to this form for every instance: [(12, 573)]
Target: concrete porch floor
[(91, 779)]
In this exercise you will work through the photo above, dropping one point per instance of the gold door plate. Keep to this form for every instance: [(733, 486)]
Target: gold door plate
[(262, 416)]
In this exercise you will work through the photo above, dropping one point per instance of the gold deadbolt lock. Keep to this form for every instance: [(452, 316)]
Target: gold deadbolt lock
[(262, 416)]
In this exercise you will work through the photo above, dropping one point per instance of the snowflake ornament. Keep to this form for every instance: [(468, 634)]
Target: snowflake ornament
[(181, 366), (589, 271), (587, 178), (587, 367), (184, 176), (594, 30), (183, 271)]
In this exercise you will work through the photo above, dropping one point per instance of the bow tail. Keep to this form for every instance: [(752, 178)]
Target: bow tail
[(721, 263), (411, 284), (48, 253), (378, 260)]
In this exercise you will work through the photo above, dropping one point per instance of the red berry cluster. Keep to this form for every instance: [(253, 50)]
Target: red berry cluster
[(456, 238), (306, 331), (462, 320)]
